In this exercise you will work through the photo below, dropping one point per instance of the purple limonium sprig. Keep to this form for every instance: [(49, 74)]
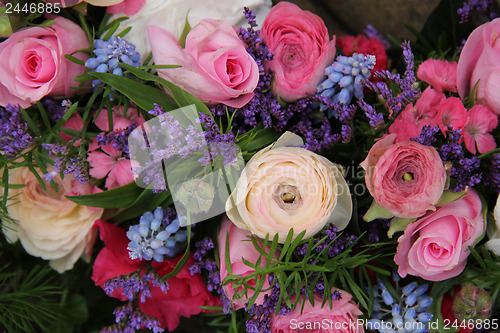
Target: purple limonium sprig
[(14, 135), (130, 318), (205, 262), (376, 119), (118, 139), (480, 6), (66, 164), (408, 93), (371, 32), (493, 178), (54, 109)]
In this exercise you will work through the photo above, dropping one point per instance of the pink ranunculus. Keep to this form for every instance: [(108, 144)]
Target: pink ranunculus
[(406, 178), (453, 113), (216, 67), (302, 50), (440, 74), (477, 129), (240, 248), (410, 122), (479, 64), (33, 63), (341, 318), (436, 246)]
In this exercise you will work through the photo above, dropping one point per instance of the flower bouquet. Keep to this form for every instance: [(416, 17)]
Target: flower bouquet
[(169, 166)]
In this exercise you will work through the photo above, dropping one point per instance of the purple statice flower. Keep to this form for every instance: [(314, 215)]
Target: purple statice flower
[(14, 135), (480, 6), (130, 318), (79, 169), (204, 262), (376, 119), (408, 93), (464, 169), (54, 109), (493, 177), (427, 135), (371, 32), (132, 284), (118, 139), (219, 144), (64, 163)]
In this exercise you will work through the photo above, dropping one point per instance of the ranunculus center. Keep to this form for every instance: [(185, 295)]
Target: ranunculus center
[(408, 176), (287, 196), (293, 57)]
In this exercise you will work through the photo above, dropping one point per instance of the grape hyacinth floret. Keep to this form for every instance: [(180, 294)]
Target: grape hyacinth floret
[(154, 238), (409, 314), (346, 78), (109, 53)]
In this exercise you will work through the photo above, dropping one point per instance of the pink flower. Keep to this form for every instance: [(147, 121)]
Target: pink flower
[(129, 7), (405, 178), (452, 113), (33, 63), (111, 163), (436, 246), (120, 120), (481, 121), (216, 67), (479, 64), (301, 47), (341, 318), (410, 122), (73, 123), (440, 74), (240, 248), (69, 3)]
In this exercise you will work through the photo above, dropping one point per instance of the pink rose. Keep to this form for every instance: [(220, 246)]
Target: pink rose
[(33, 63), (440, 74), (405, 178), (341, 318), (240, 247), (301, 47), (69, 3), (216, 67), (479, 64), (436, 246)]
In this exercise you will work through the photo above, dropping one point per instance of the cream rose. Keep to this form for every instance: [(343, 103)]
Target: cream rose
[(285, 187), (48, 224)]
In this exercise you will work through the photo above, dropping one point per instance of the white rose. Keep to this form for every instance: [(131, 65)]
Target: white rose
[(171, 16), (48, 224), (494, 231), (286, 187)]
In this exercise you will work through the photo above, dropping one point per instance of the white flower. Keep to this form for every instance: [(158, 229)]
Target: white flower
[(171, 16), (48, 224), (284, 187), (494, 231)]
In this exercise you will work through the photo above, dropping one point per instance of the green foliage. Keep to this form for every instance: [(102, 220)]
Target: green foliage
[(28, 300)]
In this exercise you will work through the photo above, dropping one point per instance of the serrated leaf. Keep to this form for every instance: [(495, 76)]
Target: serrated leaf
[(376, 212)]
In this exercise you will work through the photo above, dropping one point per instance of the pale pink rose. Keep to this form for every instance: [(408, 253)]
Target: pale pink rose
[(410, 122), (286, 187), (406, 178), (440, 74), (479, 64), (240, 248), (451, 113), (33, 63), (70, 3), (436, 246), (128, 7), (110, 163), (48, 225), (341, 318), (216, 67), (302, 50), (477, 129)]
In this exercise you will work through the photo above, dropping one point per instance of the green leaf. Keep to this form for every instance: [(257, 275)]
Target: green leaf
[(142, 95), (47, 24), (74, 59), (147, 201), (398, 224), (160, 67), (112, 29), (263, 138), (182, 97), (376, 212), (30, 122), (449, 197), (124, 32), (185, 31), (122, 196)]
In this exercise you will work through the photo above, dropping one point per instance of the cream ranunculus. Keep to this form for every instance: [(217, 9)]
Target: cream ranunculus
[(493, 230), (171, 16), (284, 187), (48, 224)]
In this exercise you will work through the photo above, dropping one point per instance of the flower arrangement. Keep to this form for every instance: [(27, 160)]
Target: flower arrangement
[(246, 169)]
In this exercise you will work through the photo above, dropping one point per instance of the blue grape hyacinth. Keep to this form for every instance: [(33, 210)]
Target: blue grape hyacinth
[(345, 78), (408, 315), (155, 237), (109, 53)]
